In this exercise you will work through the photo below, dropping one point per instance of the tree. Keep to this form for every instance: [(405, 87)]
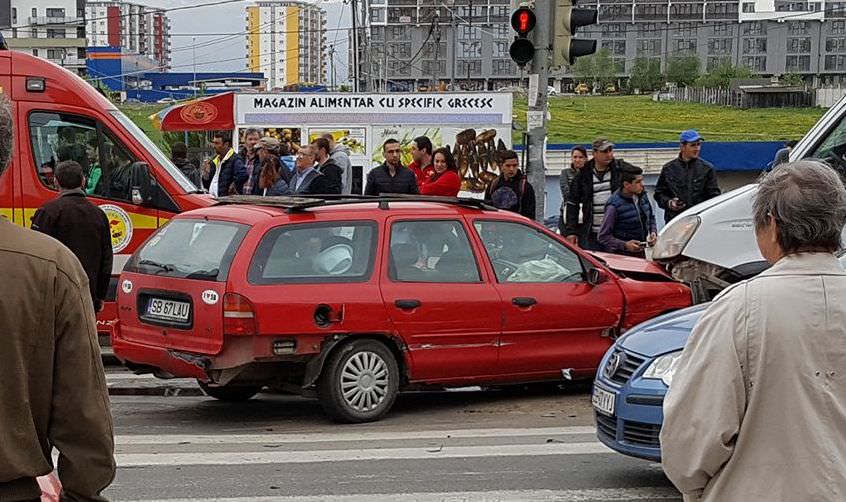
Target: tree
[(683, 70), (646, 74), (721, 75), (606, 73), (792, 80), (584, 70)]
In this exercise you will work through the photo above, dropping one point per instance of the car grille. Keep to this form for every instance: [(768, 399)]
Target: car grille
[(607, 426), (627, 368), (641, 434)]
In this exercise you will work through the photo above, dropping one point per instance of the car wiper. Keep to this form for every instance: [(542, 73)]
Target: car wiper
[(162, 267), (203, 274)]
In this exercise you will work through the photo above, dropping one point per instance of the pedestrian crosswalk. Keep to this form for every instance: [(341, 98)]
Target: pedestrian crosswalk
[(380, 464)]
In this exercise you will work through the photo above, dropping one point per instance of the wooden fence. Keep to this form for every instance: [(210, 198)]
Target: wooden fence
[(745, 98)]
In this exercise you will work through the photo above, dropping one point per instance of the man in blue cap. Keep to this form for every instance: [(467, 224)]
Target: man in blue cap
[(686, 180)]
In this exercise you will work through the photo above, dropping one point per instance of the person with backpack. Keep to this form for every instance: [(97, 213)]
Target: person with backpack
[(511, 190)]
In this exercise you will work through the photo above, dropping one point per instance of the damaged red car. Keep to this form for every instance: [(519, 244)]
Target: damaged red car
[(354, 301)]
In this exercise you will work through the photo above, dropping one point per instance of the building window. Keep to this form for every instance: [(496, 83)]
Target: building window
[(754, 29), (469, 33), (503, 67), (798, 63), (612, 30), (835, 63), (748, 7), (400, 32), (616, 47), (474, 67), (686, 30), (686, 11), (399, 50), (400, 68), (835, 9), (798, 28), (377, 15), (51, 33), (651, 11), (501, 31), (55, 12), (756, 63), (34, 12), (685, 46), (755, 45), (429, 50), (500, 49), (499, 14), (719, 46), (649, 47), (835, 44), (434, 67), (470, 49), (722, 10), (725, 30), (14, 15), (838, 27), (800, 45), (648, 29)]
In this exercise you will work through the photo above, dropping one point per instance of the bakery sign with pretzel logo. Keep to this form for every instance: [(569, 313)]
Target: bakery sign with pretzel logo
[(120, 226)]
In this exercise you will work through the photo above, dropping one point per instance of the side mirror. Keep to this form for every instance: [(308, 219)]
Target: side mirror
[(141, 183), (597, 276)]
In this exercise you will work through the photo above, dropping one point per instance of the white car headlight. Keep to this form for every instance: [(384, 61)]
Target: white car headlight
[(674, 237), (664, 367)]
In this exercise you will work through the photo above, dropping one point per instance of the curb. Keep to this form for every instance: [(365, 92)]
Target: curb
[(159, 390)]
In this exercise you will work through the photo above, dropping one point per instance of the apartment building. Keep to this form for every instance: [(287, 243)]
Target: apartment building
[(137, 29), (51, 29)]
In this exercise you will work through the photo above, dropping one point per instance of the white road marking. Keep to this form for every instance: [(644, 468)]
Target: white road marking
[(586, 495), (354, 454), (323, 437)]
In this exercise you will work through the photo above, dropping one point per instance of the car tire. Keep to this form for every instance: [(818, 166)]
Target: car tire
[(359, 382), (230, 393)]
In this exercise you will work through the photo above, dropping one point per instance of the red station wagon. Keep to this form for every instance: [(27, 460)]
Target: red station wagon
[(353, 301)]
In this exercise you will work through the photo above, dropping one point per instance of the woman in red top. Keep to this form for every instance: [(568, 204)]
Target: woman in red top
[(445, 180)]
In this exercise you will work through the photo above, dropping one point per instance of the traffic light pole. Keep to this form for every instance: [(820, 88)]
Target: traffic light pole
[(536, 123)]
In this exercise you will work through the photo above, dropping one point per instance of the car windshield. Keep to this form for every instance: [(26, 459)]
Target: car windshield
[(151, 147), (190, 249)]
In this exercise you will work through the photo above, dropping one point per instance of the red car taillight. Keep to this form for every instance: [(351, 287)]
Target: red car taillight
[(239, 318)]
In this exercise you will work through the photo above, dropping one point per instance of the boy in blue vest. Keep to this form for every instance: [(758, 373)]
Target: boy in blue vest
[(629, 223)]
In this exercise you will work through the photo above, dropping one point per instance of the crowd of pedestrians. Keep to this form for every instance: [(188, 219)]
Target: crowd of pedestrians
[(605, 206)]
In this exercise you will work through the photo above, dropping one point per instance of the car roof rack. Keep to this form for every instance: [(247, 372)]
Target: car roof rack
[(295, 203)]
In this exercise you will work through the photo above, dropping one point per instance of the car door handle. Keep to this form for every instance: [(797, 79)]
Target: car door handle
[(407, 304), (523, 301)]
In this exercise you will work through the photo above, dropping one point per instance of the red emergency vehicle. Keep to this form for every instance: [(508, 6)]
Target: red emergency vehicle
[(59, 116)]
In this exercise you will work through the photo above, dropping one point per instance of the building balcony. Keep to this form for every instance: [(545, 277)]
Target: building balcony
[(66, 20)]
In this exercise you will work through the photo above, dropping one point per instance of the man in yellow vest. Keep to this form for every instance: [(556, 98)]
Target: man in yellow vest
[(225, 174)]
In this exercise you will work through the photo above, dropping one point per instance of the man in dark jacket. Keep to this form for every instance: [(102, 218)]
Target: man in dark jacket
[(589, 192), (686, 180), (392, 176), (249, 154), (629, 223), (81, 226), (307, 180), (179, 156), (225, 173), (327, 166), (54, 390), (511, 190)]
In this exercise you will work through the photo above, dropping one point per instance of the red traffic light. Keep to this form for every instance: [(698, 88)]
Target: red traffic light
[(523, 20)]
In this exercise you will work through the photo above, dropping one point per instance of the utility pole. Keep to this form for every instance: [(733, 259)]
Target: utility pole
[(454, 32), (535, 169), (470, 30), (355, 45), (332, 64), (194, 58)]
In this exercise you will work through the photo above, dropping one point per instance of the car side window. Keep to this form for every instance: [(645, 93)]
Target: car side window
[(57, 137), (431, 251), (520, 253), (331, 252)]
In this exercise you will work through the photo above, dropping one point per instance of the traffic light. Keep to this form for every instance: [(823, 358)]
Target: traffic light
[(568, 18), (523, 21)]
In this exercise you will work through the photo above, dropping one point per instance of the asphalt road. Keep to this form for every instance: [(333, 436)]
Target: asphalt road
[(521, 444)]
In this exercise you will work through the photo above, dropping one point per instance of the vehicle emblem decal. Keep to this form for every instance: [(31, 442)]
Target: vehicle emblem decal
[(120, 226), (210, 297), (613, 364), (126, 286), (198, 113)]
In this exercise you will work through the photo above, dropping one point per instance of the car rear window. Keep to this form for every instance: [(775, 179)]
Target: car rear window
[(190, 249), (315, 253)]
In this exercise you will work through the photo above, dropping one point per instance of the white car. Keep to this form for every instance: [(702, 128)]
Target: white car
[(712, 245), (550, 91)]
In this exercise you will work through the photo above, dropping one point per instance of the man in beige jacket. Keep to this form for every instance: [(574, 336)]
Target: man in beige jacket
[(757, 408), (52, 386)]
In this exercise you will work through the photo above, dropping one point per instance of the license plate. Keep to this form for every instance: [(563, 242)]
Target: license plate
[(603, 400), (170, 310)]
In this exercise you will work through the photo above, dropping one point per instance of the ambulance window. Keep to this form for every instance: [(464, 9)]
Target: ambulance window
[(57, 137), (117, 162)]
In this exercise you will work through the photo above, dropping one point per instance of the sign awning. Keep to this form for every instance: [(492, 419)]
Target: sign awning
[(214, 113)]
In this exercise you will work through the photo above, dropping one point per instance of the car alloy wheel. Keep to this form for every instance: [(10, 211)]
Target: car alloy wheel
[(364, 381)]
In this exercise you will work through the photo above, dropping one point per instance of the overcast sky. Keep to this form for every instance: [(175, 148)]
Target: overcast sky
[(228, 53)]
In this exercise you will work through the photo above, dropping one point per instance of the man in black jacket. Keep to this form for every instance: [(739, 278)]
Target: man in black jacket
[(225, 173), (306, 179), (392, 176), (327, 166), (686, 180), (511, 190), (81, 226), (179, 156), (589, 191)]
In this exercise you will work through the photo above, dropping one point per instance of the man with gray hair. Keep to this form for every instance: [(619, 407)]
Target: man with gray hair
[(757, 407), (54, 389)]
